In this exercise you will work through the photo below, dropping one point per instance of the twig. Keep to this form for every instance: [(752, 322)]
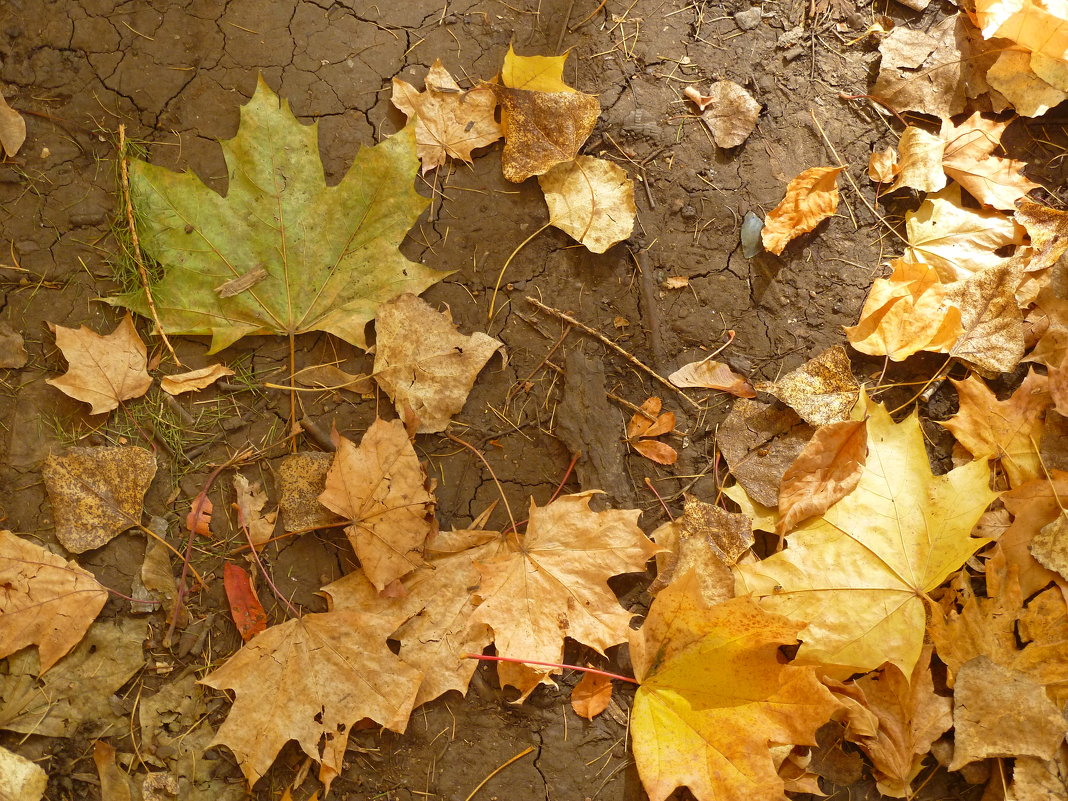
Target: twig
[(542, 363), (563, 25), (636, 409), (567, 318), (497, 770), (648, 305), (135, 244), (500, 276), (588, 17)]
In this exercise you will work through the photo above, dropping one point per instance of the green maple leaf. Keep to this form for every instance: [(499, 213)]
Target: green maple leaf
[(281, 252)]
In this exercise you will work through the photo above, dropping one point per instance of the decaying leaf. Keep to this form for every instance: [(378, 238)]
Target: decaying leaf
[(810, 199), (715, 695), (925, 71), (23, 779), (1008, 430), (301, 480), (97, 493), (708, 374), (1050, 546), (544, 120), (103, 370), (47, 601), (1048, 231), (728, 110), (1033, 506), (12, 129), (590, 199), (448, 122), (331, 377), (194, 380), (249, 500), (969, 160), (378, 488), (898, 535), (822, 390), (12, 348), (114, 783), (1036, 779), (424, 363), (993, 336), (920, 165), (1050, 315), (309, 680), (330, 252), (591, 696), (245, 607), (882, 166), (827, 470)]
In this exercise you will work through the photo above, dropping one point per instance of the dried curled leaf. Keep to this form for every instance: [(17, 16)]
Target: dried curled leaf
[(810, 199), (822, 390), (969, 160), (590, 199), (194, 380), (882, 165), (707, 374), (920, 166)]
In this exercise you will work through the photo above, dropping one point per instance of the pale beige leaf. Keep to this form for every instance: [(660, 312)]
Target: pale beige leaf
[(591, 696), (882, 165), (591, 200), (194, 380), (1011, 75), (21, 779), (1048, 231), (423, 362), (993, 336), (969, 159), (1050, 546), (810, 199), (1036, 779), (249, 502), (730, 113), (1040, 26), (47, 601), (822, 390), (12, 129), (920, 165), (707, 374), (378, 488), (925, 71), (827, 470), (103, 369)]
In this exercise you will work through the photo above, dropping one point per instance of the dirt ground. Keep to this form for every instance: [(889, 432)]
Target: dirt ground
[(175, 74)]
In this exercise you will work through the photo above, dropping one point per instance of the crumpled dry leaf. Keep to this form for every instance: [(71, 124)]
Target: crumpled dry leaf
[(1040, 780), (925, 71), (1039, 26), (249, 502), (910, 311), (591, 200), (920, 164), (12, 129), (103, 369), (379, 489), (810, 199), (827, 470), (423, 362), (194, 380), (882, 166), (969, 160), (1048, 231), (1011, 75), (1050, 314), (993, 336), (309, 680), (301, 480), (728, 110), (1008, 430), (715, 696), (97, 493), (898, 535), (591, 696), (448, 121), (47, 601), (708, 374), (1050, 546), (544, 120), (1034, 506), (822, 390)]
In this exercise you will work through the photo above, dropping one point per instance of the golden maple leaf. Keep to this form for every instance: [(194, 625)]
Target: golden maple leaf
[(860, 573)]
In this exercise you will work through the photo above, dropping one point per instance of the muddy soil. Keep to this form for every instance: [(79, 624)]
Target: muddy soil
[(175, 74)]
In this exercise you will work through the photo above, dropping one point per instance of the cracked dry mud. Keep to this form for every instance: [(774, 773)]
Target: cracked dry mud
[(175, 72)]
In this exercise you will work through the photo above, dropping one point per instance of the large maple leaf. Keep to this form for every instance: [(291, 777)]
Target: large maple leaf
[(715, 695), (860, 573), (281, 252)]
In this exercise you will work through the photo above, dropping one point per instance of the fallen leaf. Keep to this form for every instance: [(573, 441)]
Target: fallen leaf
[(882, 166), (47, 601), (378, 488), (309, 680), (114, 783), (707, 374), (827, 470), (249, 502), (715, 696), (1033, 505), (810, 199), (301, 480), (909, 312), (12, 129), (198, 520), (969, 160), (956, 241), (675, 282), (330, 252), (729, 111), (1011, 75), (97, 493), (194, 380), (591, 696), (993, 336), (925, 71), (12, 348), (897, 536), (591, 200), (103, 370), (656, 451), (23, 779), (245, 607), (1040, 780), (764, 518), (448, 122), (332, 377), (1051, 316), (1049, 546), (642, 427), (1036, 25), (1048, 230), (822, 390), (424, 363), (1008, 430), (920, 166), (544, 120)]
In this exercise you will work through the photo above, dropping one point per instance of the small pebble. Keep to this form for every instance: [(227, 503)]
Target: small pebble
[(748, 19), (688, 213)]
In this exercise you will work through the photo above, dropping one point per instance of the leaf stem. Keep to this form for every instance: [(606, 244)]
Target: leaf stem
[(500, 275), (500, 489), (594, 671)]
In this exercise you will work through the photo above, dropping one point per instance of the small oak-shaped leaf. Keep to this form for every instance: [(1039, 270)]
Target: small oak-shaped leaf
[(379, 489), (810, 199), (97, 493), (281, 252), (103, 369), (590, 199), (424, 363), (858, 574), (310, 680), (448, 122), (46, 600), (715, 696)]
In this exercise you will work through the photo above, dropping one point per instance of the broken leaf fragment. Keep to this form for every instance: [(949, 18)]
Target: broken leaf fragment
[(12, 129), (194, 380), (728, 110), (103, 370), (822, 390), (810, 199), (591, 696), (591, 200)]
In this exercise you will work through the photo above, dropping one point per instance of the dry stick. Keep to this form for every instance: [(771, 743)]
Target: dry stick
[(135, 244), (648, 305), (588, 17), (567, 318), (542, 363), (636, 409)]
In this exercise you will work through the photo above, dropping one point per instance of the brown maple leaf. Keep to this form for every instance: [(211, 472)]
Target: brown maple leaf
[(379, 488), (103, 370), (969, 159), (649, 423), (46, 601)]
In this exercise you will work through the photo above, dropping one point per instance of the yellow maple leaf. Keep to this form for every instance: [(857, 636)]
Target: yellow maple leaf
[(860, 573), (715, 695)]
